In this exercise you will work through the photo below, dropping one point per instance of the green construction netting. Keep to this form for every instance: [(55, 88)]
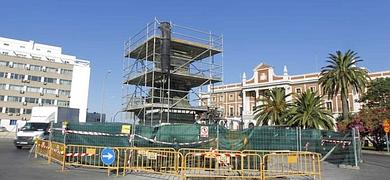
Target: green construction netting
[(336, 147)]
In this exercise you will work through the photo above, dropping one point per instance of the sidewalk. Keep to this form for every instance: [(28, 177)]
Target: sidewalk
[(376, 152), (8, 135)]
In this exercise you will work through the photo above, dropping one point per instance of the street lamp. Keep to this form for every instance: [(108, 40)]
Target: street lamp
[(103, 88), (113, 118)]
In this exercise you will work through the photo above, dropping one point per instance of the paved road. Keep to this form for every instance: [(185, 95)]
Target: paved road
[(15, 165), (375, 167)]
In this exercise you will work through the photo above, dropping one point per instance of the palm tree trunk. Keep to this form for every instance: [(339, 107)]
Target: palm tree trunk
[(344, 102)]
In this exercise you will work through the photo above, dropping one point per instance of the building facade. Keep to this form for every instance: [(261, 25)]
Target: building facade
[(237, 100), (33, 74), (96, 117)]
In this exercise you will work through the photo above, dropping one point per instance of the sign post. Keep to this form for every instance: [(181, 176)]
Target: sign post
[(107, 156), (386, 128)]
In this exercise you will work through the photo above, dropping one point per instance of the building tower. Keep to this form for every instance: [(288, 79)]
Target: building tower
[(165, 68)]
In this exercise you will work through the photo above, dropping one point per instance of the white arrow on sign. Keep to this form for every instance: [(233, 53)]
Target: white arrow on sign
[(108, 156)]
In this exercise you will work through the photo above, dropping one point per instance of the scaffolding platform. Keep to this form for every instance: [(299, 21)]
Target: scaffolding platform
[(182, 78), (156, 95), (180, 48)]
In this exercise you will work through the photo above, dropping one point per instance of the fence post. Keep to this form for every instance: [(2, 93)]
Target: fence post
[(359, 146), (300, 138), (63, 158), (218, 135), (354, 146), (297, 137), (50, 142), (37, 145), (132, 136)]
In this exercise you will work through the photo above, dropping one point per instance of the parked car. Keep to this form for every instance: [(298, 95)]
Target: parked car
[(3, 129)]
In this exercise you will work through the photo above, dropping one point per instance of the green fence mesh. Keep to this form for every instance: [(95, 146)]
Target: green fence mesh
[(336, 147)]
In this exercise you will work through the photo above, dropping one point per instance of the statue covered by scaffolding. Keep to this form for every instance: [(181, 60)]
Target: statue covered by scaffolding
[(166, 67)]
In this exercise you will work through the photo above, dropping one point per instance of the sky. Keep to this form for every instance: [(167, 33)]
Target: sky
[(299, 34)]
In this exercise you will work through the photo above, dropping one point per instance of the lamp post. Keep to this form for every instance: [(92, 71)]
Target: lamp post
[(103, 88), (114, 117)]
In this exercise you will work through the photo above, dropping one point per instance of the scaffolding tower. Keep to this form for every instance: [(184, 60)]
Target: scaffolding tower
[(165, 68)]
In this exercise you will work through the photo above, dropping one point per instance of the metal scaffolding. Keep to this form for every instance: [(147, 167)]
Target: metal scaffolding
[(165, 68)]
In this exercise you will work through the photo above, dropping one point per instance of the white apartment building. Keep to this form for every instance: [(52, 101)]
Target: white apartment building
[(33, 74)]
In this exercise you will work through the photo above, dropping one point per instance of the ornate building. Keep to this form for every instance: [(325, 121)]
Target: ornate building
[(237, 100)]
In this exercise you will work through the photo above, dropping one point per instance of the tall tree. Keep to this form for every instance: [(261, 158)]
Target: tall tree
[(378, 94), (308, 111), (273, 107), (341, 75)]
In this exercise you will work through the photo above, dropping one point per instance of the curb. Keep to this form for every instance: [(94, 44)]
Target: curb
[(376, 152), (349, 167)]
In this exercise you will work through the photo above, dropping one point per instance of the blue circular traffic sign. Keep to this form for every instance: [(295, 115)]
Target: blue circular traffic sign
[(107, 156)]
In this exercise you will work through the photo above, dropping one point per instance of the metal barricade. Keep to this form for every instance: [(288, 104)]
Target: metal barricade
[(90, 156), (57, 153), (264, 152), (153, 160), (291, 164), (221, 164), (187, 162), (42, 148)]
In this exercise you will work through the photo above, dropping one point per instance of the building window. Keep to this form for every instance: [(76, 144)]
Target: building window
[(49, 91), (50, 69), (17, 76), (48, 101), (35, 68), (36, 57), (220, 98), (12, 122), (66, 71), (214, 99), (231, 111), (65, 82), (15, 87), (2, 86), (63, 103), (241, 110), (4, 63), (12, 110), (312, 88), (27, 111), (66, 92), (21, 55), (33, 89), (3, 75), (329, 106), (14, 99), (31, 100), (1, 98), (19, 65), (34, 78), (231, 97), (49, 80), (298, 90)]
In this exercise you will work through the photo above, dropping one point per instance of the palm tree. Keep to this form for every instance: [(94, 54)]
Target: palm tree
[(308, 111), (341, 75), (273, 107)]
